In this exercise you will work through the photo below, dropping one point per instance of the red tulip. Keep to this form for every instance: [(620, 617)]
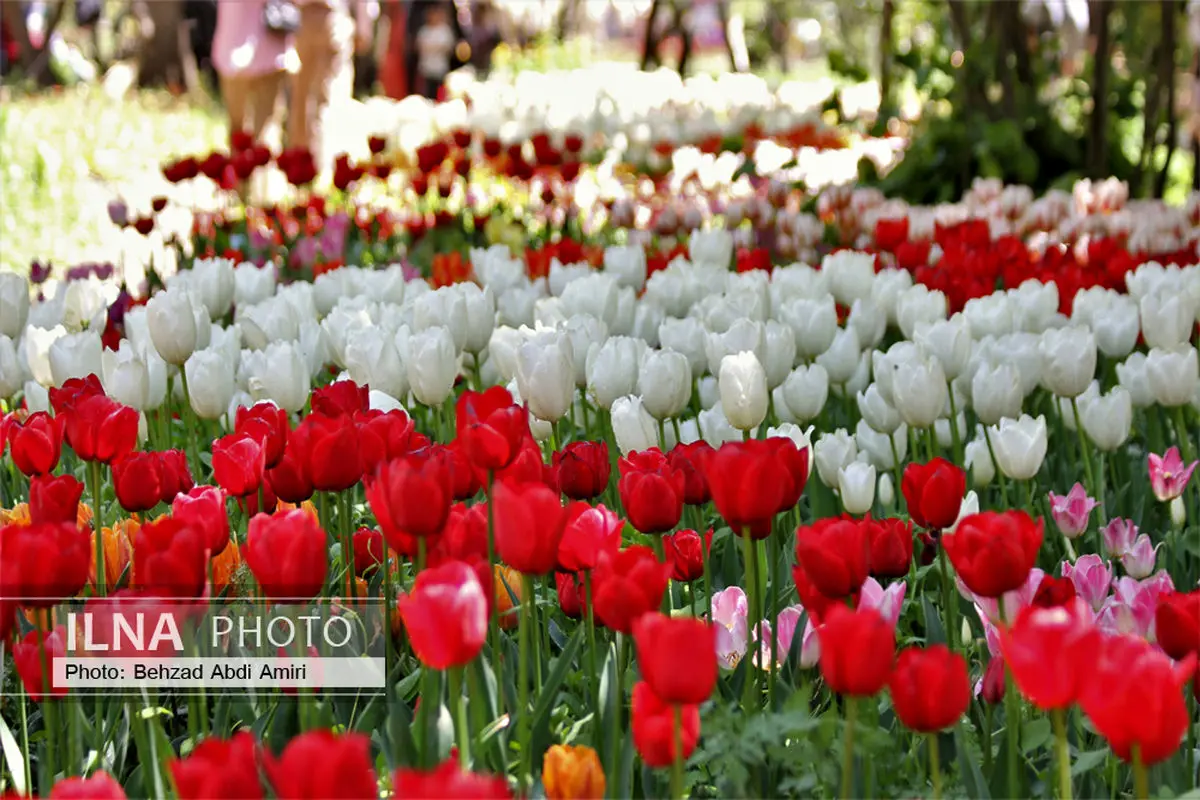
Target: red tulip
[(529, 522), (1052, 592), (993, 552), (1134, 697), (491, 428), (27, 658), (384, 436), (814, 602), (690, 459), (526, 467), (628, 585), (570, 593), (54, 499), (101, 786), (1050, 652), (653, 723), (1177, 623), (465, 535), (202, 509), (891, 546), (219, 768), (169, 558), (583, 469), (686, 552), (36, 444), (411, 496), (933, 492), (678, 657), (237, 462), (327, 449), (289, 479), (588, 533), (446, 615), (748, 485), (267, 424), (44, 563), (341, 399), (857, 651), (462, 474), (66, 397), (651, 491), (100, 429), (835, 554), (890, 233), (137, 481), (322, 764), (930, 688), (992, 688), (368, 550), (175, 477), (449, 782), (792, 465), (286, 552)]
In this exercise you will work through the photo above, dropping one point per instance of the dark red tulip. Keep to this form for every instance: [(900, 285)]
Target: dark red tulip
[(384, 436), (686, 552), (1177, 623), (237, 463), (589, 532), (137, 481), (202, 509), (627, 585), (933, 492), (891, 546), (36, 443), (176, 476), (677, 657), (651, 491), (169, 558), (44, 563), (993, 552), (1052, 592), (582, 469), (286, 552), (289, 479), (64, 398), (54, 499), (368, 550), (857, 651), (690, 460), (570, 591), (328, 449), (341, 399)]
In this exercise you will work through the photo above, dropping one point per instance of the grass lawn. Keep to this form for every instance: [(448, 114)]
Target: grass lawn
[(65, 154)]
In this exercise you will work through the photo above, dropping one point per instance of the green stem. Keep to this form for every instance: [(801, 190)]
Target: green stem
[(616, 723), (49, 715), (594, 671), (948, 606), (896, 470), (493, 626), (427, 716), (656, 543), (1085, 449), (1181, 432), (954, 435), (462, 730), (987, 438), (1012, 721), (935, 767), (347, 529), (848, 747), (98, 526), (750, 556), (677, 762), (523, 633), (190, 423), (1141, 779), (1190, 752), (773, 554), (1062, 752)]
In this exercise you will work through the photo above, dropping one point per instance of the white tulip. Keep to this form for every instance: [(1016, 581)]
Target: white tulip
[(665, 383), (856, 487), (780, 352), (970, 505), (1108, 419), (546, 375), (76, 355), (502, 351), (886, 290), (887, 490), (210, 378), (372, 359), (432, 365), (612, 369), (1020, 446), (990, 315), (86, 302), (382, 401), (278, 373), (12, 376), (978, 463), (851, 275), (742, 335), (35, 348), (1116, 327), (949, 341), (1131, 374), (1168, 319), (715, 427), (877, 412), (648, 316), (919, 305), (596, 294), (859, 380), (1172, 374), (842, 358), (920, 392), (1034, 305), (881, 449), (813, 322), (996, 392), (561, 275), (743, 384), (1024, 350), (885, 366), (14, 304), (711, 248), (330, 287), (805, 392), (832, 452), (481, 316), (252, 284), (496, 268), (443, 308), (687, 336), (622, 324), (1068, 360), (214, 283), (126, 377), (633, 427), (175, 322), (515, 306), (868, 321), (37, 398), (627, 264)]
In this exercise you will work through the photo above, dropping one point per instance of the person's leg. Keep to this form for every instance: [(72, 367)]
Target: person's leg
[(234, 92), (264, 98), (309, 49)]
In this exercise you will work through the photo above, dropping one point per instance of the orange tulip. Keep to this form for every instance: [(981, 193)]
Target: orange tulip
[(307, 507), (507, 605), (225, 567), (118, 550), (572, 772), (17, 515)]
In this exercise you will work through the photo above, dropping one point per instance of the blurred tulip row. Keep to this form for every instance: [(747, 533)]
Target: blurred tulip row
[(642, 529)]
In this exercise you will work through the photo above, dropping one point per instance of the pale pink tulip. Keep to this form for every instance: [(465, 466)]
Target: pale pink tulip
[(789, 619), (1092, 577), (1168, 474), (1072, 510), (888, 603), (989, 608), (1138, 561), (729, 609), (1118, 536)]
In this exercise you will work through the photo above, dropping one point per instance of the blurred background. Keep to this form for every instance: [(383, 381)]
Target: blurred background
[(96, 94)]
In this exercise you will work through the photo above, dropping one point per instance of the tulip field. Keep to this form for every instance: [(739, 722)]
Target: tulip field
[(670, 474)]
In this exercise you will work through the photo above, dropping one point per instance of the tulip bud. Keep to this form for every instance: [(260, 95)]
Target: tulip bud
[(1167, 318), (633, 427), (1108, 419), (978, 463), (1173, 375), (665, 381), (612, 369), (1178, 512), (743, 385), (687, 336), (75, 355), (546, 375), (813, 323), (480, 314), (920, 392), (781, 352), (1139, 560), (832, 452), (841, 360), (887, 493), (14, 304), (178, 326), (214, 285), (210, 383), (1020, 446), (856, 487), (993, 681), (11, 374), (805, 392), (1068, 360), (433, 364), (877, 412)]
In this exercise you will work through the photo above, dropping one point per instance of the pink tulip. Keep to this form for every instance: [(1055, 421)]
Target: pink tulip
[(1092, 578), (789, 619), (1168, 475), (1072, 510), (729, 609), (888, 603), (1139, 560), (989, 608), (1118, 536)]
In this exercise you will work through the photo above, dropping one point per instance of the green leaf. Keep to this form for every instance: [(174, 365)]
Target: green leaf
[(968, 767), (1089, 760), (1035, 734), (545, 704), (934, 634), (12, 756)]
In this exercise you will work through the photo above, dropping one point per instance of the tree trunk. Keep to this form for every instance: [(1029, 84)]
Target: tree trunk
[(1170, 19), (566, 19), (886, 35), (723, 13), (650, 43), (165, 54), (679, 24), (1097, 162)]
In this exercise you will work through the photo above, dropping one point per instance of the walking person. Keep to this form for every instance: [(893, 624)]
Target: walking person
[(435, 46), (251, 62)]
